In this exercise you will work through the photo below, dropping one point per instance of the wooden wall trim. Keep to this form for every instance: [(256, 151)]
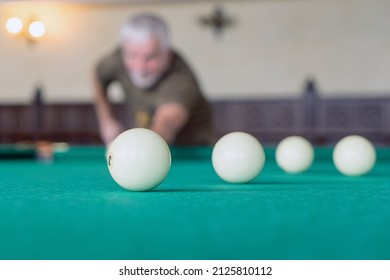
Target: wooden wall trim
[(322, 120)]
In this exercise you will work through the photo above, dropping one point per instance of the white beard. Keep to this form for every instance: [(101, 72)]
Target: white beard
[(142, 81)]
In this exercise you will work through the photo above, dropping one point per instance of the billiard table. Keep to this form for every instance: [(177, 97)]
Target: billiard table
[(71, 208)]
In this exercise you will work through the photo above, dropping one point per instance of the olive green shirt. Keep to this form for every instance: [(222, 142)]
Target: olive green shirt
[(178, 84)]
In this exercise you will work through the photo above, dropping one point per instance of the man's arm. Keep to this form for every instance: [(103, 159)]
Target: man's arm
[(109, 127), (169, 119)]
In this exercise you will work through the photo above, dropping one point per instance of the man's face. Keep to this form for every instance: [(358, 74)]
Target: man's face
[(145, 61)]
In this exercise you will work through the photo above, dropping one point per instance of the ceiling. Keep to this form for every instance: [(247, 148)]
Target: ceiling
[(111, 1), (108, 2)]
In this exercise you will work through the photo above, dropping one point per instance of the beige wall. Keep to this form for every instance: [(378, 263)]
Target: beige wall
[(271, 49)]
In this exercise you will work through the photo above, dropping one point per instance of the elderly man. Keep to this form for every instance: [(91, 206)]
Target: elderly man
[(161, 90)]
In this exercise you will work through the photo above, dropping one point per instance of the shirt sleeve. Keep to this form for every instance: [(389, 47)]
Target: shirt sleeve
[(106, 70), (181, 89)]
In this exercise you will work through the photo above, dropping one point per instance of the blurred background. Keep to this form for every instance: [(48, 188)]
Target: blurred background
[(318, 68)]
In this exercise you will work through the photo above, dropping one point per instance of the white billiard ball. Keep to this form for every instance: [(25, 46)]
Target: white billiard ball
[(238, 157), (139, 159), (294, 154), (354, 155)]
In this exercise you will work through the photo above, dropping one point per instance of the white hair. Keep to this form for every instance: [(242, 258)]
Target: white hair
[(144, 26)]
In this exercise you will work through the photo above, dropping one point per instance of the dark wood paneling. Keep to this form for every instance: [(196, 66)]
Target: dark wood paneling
[(321, 120)]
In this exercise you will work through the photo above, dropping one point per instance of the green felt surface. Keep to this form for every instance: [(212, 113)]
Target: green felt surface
[(72, 209)]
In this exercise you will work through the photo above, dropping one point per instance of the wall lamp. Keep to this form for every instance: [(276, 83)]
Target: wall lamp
[(31, 30)]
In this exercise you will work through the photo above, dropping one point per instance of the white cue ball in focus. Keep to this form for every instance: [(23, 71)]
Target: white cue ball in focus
[(139, 159), (238, 157), (294, 154), (354, 155)]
